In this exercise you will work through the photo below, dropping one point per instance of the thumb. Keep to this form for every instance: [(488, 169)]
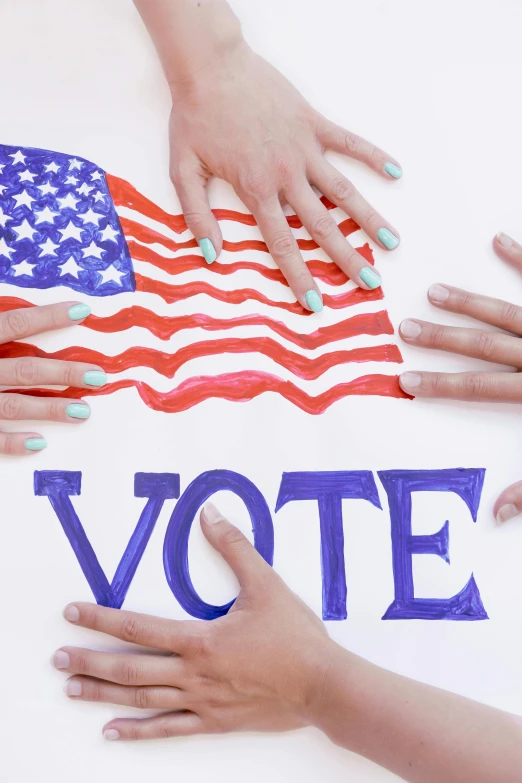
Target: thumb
[(244, 560), (193, 197), (509, 504)]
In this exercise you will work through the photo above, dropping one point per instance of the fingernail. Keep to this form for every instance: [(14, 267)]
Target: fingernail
[(73, 688), (507, 512), (95, 378), (60, 660), (35, 444), (504, 240), (71, 613), (393, 170), (111, 734), (410, 329), (212, 515), (370, 277), (388, 239), (79, 311), (410, 380), (207, 248), (78, 411), (437, 293), (314, 301)]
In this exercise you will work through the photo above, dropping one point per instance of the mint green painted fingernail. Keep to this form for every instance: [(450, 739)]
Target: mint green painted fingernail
[(95, 378), (314, 301), (35, 444), (388, 239), (78, 411), (79, 311), (208, 250), (370, 277), (393, 170)]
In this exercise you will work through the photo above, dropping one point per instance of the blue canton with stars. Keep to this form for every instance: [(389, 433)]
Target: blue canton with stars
[(58, 225)]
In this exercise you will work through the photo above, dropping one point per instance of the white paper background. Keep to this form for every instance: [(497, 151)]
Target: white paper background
[(437, 84)]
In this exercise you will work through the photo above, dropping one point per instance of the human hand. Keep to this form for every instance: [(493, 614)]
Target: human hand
[(257, 668), (29, 371), (241, 120)]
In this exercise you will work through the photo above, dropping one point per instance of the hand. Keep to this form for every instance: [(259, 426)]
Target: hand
[(241, 120), (257, 668), (29, 371)]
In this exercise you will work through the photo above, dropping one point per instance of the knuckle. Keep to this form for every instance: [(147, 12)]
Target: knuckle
[(129, 629), (342, 189), (10, 406), (510, 313), (352, 142), (94, 691), (194, 219), (10, 445), (15, 323), (200, 646), (142, 698), (165, 730), (25, 371), (256, 185), (79, 663), (439, 385), (437, 336), (322, 226), (371, 217), (484, 343), (283, 245), (55, 410), (375, 156), (233, 538), (475, 385), (128, 673)]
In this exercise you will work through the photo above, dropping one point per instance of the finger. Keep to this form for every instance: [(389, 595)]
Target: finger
[(509, 504), (341, 192), (124, 669), (336, 138), (180, 724), (22, 406), (16, 324), (31, 371), (244, 560), (21, 443), (509, 250), (285, 252), (323, 228), (478, 343), (145, 698), (472, 386), (496, 312), (191, 186), (144, 629)]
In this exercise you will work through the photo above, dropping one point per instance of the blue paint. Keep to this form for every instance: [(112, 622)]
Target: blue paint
[(330, 489), (175, 549), (399, 485), (59, 485)]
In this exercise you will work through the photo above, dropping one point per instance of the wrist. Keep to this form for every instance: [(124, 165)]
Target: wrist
[(203, 74)]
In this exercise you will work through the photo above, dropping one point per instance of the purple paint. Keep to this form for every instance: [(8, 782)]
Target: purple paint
[(399, 485)]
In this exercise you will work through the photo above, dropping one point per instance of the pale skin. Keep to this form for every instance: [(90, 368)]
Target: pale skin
[(269, 665)]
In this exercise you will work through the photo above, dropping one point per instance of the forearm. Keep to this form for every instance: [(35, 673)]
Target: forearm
[(189, 35), (421, 733)]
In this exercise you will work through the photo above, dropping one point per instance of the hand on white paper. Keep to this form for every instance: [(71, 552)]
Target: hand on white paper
[(24, 369)]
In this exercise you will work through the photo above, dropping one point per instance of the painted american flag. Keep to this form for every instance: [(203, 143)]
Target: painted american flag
[(232, 330)]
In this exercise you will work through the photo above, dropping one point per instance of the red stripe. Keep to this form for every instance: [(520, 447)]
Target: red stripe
[(168, 364), (238, 387), (125, 195), (175, 293), (323, 270)]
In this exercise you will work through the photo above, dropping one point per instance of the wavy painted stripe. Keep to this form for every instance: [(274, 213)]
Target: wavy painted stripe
[(167, 364), (175, 293), (238, 387), (125, 195), (323, 270)]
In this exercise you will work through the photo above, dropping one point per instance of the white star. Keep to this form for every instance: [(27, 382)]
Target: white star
[(48, 247), (26, 176), (23, 199), (47, 188), (4, 250), (23, 268), (52, 167), (70, 268), (96, 176), (91, 217), (99, 196), (71, 232), (109, 234), (68, 201), (85, 189), (2, 188), (71, 180), (2, 167), (93, 251), (45, 215), (111, 273), (4, 218), (75, 164), (17, 157), (24, 231)]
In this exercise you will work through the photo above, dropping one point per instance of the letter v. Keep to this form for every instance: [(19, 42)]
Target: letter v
[(58, 485)]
